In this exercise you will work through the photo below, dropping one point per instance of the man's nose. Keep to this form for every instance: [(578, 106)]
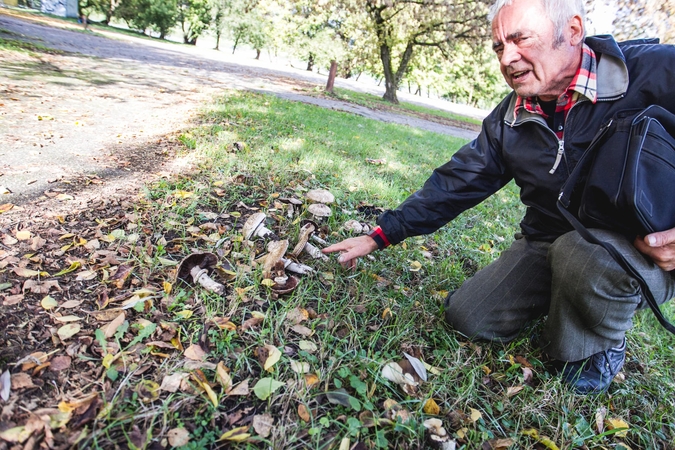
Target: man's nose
[(510, 54)]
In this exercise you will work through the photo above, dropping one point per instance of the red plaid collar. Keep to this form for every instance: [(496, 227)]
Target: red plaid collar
[(584, 84)]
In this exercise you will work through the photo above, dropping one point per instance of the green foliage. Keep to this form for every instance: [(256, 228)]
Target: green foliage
[(195, 18), (158, 15)]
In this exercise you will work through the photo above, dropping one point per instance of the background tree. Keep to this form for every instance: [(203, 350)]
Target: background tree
[(194, 17), (156, 15)]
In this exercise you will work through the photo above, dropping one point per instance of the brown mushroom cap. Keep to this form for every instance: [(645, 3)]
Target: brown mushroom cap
[(353, 225), (305, 232), (252, 223), (319, 210), (320, 196), (290, 284), (276, 250), (205, 260)]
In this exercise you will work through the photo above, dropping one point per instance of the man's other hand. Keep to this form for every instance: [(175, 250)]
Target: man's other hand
[(351, 249), (660, 247)]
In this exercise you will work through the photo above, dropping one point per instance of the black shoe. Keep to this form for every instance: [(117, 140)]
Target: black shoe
[(593, 375)]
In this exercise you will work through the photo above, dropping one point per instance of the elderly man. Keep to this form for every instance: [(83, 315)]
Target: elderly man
[(564, 87)]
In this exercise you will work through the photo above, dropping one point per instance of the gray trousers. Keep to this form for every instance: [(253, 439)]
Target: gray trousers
[(588, 298)]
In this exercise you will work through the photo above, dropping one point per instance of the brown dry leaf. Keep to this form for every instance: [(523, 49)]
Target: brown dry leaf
[(223, 376), (199, 377), (240, 389), (25, 273), (523, 362), (600, 419), (178, 437), (500, 444), (70, 304), (22, 381), (297, 315), (106, 315), (86, 275), (513, 390), (262, 424), (59, 363), (37, 243), (41, 287), (66, 319), (8, 240), (122, 275), (528, 375), (171, 383), (224, 323), (302, 330), (303, 412), (12, 300), (431, 407), (195, 353), (6, 207), (110, 329), (252, 322)]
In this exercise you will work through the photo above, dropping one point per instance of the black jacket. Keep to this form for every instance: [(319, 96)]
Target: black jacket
[(525, 149)]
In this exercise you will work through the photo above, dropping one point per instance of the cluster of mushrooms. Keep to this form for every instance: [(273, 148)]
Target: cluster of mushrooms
[(195, 268)]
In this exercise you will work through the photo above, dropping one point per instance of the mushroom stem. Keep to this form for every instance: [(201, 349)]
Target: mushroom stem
[(201, 277), (314, 252), (296, 267), (262, 231), (318, 240)]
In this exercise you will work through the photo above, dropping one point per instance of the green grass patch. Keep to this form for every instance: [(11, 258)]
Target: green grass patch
[(25, 47), (254, 152)]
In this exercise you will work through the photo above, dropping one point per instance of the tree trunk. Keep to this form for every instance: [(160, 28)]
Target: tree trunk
[(257, 53), (234, 47), (310, 62), (331, 76), (217, 40)]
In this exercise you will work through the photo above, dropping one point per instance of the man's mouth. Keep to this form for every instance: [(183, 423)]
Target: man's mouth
[(515, 76)]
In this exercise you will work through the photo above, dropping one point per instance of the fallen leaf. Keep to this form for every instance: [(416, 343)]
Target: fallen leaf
[(418, 366), (475, 415), (250, 323), (9, 240), (86, 275), (22, 380), (41, 287), (431, 407), (415, 266), (147, 390), (308, 346), (178, 437), (266, 387), (297, 315), (6, 207), (16, 434), (68, 331), (274, 356), (303, 412), (223, 376), (237, 435), (500, 444), (23, 235), (600, 419), (110, 329), (13, 300), (73, 267), (121, 276), (338, 397), (262, 424), (241, 389), (311, 380), (66, 319), (25, 273), (394, 372), (59, 363), (620, 425), (513, 390), (70, 304), (199, 377), (299, 367), (224, 323), (302, 330), (171, 383)]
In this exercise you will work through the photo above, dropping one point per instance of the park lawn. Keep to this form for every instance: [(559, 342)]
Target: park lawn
[(305, 369)]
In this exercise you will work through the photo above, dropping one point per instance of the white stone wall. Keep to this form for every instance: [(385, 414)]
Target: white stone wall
[(63, 8)]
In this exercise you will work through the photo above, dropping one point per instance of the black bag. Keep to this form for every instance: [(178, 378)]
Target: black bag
[(627, 181)]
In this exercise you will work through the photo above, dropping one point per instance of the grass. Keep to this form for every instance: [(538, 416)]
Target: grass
[(359, 320), (376, 102)]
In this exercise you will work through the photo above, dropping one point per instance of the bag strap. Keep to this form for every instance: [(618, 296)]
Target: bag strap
[(625, 265)]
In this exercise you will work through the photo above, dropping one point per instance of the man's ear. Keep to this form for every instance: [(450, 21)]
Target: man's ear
[(576, 30)]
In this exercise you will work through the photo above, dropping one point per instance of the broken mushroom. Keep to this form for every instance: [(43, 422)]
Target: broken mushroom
[(255, 226), (276, 250), (196, 267), (320, 196), (303, 243), (274, 268)]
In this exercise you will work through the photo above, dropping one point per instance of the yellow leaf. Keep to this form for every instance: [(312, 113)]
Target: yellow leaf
[(303, 412), (73, 266), (23, 235), (49, 303), (183, 194), (68, 331), (415, 266), (185, 314), (223, 377), (198, 376), (6, 207), (431, 407), (267, 282), (386, 314), (108, 360), (237, 435), (618, 424), (167, 287), (475, 415), (311, 380), (273, 358)]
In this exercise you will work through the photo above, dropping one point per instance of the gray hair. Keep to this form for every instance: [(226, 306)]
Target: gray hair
[(559, 11)]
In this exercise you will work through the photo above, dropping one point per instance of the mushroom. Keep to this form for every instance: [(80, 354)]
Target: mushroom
[(283, 284), (320, 196), (254, 226), (303, 243), (353, 225), (197, 267), (291, 202), (296, 267), (319, 210), (276, 250)]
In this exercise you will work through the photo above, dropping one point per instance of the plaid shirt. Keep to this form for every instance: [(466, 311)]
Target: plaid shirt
[(584, 84)]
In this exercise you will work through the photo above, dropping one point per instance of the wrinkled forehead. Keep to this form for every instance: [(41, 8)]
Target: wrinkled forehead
[(520, 18)]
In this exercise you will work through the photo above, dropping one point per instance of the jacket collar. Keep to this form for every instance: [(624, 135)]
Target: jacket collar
[(612, 77)]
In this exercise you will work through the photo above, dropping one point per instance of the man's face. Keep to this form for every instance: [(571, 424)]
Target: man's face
[(523, 39)]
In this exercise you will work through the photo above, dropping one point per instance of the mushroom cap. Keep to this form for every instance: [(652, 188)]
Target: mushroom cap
[(320, 196), (291, 200), (353, 225), (305, 232), (319, 210), (203, 260), (253, 222), (276, 250), (290, 284)]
